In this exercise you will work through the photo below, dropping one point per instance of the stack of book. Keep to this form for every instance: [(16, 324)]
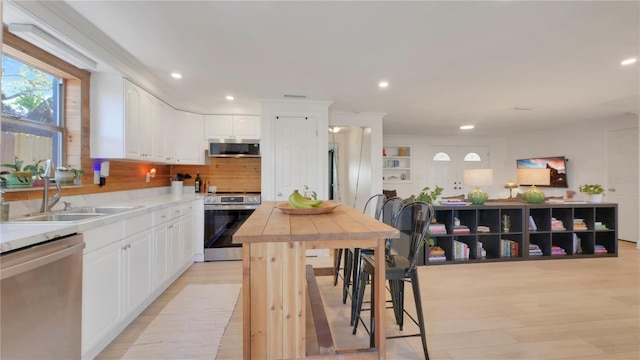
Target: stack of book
[(557, 225), (483, 229), (460, 250), (481, 252), (534, 250), (436, 228), (600, 249), (598, 225), (453, 202), (436, 253), (461, 229), (578, 224), (557, 251), (508, 248)]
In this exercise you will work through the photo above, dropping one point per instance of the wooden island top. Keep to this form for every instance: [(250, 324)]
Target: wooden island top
[(274, 282)]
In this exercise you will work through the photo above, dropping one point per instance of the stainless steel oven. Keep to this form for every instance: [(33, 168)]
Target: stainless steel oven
[(223, 215)]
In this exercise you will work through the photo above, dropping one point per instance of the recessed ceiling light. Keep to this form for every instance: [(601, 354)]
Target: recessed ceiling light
[(229, 97), (176, 76), (466, 127), (383, 84), (629, 61)]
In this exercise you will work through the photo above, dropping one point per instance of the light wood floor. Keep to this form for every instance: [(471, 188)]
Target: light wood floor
[(548, 309)]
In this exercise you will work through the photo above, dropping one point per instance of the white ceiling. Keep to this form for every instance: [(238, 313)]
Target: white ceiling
[(448, 63)]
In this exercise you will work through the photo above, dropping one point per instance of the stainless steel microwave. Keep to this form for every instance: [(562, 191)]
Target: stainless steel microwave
[(234, 148)]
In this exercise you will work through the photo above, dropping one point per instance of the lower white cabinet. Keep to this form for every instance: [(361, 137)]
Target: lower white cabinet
[(101, 293), (128, 264), (138, 275)]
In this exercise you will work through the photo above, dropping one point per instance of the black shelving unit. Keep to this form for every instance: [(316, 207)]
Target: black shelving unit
[(488, 230)]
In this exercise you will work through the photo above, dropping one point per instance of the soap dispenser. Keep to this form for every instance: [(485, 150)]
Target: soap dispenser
[(4, 210)]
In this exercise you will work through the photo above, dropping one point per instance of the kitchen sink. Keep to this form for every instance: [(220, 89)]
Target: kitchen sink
[(78, 214), (58, 217), (100, 209)]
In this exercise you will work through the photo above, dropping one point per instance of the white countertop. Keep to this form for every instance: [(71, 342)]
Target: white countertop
[(15, 235)]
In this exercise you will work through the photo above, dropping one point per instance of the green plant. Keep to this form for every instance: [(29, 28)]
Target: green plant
[(426, 195), (36, 169), (593, 189)]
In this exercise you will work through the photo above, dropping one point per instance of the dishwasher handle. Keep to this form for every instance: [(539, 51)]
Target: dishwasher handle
[(23, 267)]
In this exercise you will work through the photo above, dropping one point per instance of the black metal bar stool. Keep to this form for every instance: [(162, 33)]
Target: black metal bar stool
[(413, 222)]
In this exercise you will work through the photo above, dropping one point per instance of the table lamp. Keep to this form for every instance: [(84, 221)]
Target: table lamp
[(533, 177), (511, 185), (477, 178)]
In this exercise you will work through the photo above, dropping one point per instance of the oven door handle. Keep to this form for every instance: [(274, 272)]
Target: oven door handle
[(229, 207)]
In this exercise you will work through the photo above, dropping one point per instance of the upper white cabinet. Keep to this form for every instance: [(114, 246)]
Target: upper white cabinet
[(231, 127), (189, 146), (128, 122)]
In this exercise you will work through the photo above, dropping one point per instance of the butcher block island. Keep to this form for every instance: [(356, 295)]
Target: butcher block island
[(275, 280)]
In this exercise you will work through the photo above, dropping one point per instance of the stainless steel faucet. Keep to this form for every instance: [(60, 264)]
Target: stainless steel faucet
[(49, 174)]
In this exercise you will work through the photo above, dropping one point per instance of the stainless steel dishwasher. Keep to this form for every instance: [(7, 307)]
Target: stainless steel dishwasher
[(41, 301)]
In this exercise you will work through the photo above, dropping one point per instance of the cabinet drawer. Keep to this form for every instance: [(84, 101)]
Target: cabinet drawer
[(187, 208), (100, 237), (175, 212), (138, 224), (160, 216)]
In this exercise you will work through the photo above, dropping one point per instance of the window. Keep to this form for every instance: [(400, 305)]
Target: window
[(32, 108), (472, 157), (441, 156)]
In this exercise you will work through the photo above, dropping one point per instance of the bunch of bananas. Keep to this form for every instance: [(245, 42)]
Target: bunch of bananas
[(296, 200)]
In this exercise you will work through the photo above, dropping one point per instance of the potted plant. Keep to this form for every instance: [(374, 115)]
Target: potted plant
[(37, 171), (68, 175), (595, 191), (16, 177), (427, 195)]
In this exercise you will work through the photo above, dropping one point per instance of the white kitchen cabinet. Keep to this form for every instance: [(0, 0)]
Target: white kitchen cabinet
[(231, 127), (189, 146), (127, 265), (164, 135), (188, 232), (137, 262), (101, 293), (123, 118)]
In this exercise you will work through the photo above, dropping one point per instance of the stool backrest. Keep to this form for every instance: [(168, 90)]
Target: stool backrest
[(375, 202), (390, 209), (413, 221)]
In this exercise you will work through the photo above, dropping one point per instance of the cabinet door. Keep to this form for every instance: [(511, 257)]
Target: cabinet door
[(148, 122), (246, 127), (138, 269), (190, 146), (162, 138), (218, 127), (188, 237), (101, 293), (160, 251), (174, 246), (132, 119)]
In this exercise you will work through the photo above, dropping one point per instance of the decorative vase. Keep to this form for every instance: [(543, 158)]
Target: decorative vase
[(478, 196), (533, 195), (595, 198)]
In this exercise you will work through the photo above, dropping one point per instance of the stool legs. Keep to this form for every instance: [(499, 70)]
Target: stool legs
[(418, 299), (337, 256)]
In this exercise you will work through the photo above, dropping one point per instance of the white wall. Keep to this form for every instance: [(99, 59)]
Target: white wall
[(583, 145)]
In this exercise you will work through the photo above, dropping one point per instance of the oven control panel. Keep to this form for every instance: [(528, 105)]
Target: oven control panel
[(232, 199)]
